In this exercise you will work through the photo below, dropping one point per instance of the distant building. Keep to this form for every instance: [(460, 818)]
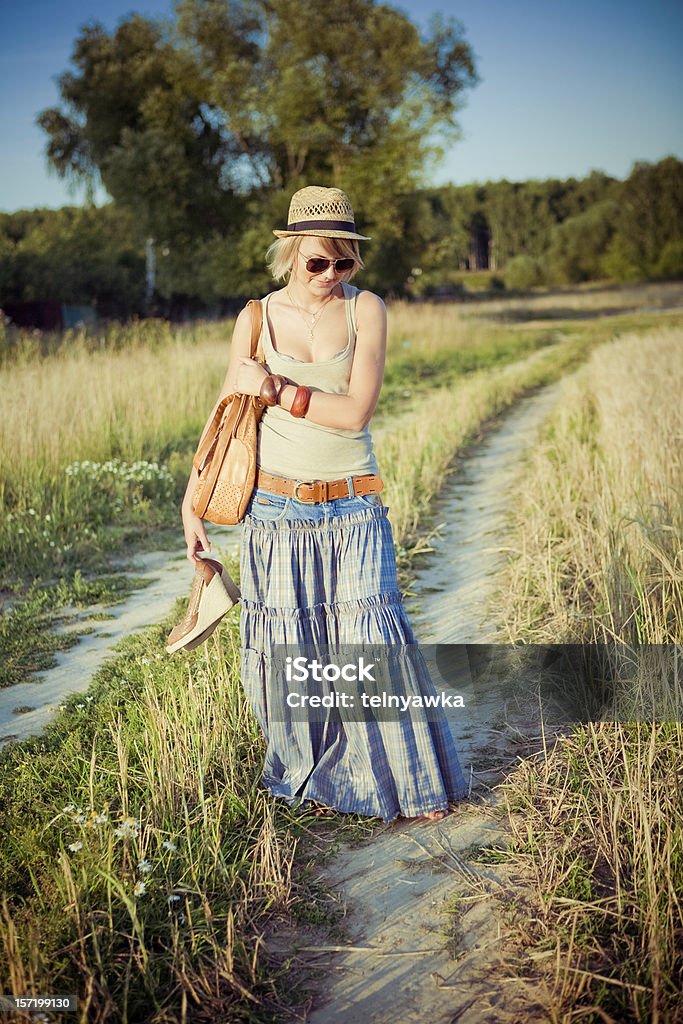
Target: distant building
[(49, 315)]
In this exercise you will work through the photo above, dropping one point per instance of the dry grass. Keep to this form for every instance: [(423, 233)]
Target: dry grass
[(599, 825), (97, 405), (600, 519), (591, 298), (431, 327), (599, 558)]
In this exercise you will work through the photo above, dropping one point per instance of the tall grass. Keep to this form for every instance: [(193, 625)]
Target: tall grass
[(97, 441), (600, 523), (598, 557), (139, 849), (131, 403), (599, 824)]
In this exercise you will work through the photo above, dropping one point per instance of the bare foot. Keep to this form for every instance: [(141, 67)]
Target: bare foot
[(431, 815)]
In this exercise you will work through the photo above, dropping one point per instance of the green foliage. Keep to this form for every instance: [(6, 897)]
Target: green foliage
[(77, 255), (670, 263), (580, 243), (523, 272), (650, 220), (186, 124)]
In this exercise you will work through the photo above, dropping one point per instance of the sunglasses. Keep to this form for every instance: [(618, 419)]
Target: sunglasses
[(318, 265)]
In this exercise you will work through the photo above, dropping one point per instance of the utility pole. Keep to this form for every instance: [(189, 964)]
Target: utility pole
[(150, 273)]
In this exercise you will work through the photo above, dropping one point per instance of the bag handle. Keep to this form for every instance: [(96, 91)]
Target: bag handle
[(255, 347), (255, 350)]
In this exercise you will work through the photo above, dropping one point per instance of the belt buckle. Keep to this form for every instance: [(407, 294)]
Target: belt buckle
[(304, 483)]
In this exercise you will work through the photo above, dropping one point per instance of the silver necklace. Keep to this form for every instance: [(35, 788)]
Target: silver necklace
[(310, 327)]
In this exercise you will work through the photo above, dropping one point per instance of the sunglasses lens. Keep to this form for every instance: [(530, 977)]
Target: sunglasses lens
[(318, 265)]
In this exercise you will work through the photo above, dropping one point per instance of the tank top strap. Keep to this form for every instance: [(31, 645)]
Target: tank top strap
[(350, 298), (266, 342)]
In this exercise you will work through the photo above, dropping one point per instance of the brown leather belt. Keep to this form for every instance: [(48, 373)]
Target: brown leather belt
[(317, 491)]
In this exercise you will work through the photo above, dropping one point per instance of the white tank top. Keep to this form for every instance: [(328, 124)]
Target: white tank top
[(297, 448)]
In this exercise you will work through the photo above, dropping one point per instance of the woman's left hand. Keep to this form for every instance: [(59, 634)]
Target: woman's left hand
[(250, 377)]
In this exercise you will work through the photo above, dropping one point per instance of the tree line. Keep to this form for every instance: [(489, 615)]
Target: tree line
[(537, 233)]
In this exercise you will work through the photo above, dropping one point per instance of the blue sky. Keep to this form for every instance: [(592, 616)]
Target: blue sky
[(565, 87)]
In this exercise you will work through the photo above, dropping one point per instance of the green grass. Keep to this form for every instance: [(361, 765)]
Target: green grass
[(28, 635)]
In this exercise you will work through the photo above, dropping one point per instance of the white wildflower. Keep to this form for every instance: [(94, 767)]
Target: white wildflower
[(128, 827)]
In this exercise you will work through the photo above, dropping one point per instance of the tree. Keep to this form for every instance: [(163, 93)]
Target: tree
[(650, 221), (76, 254), (579, 244), (243, 101), (134, 122)]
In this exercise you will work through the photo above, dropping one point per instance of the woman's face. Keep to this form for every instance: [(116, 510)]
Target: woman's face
[(318, 284)]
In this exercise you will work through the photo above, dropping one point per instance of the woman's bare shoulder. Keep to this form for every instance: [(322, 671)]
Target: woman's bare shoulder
[(241, 334), (369, 306), (368, 300)]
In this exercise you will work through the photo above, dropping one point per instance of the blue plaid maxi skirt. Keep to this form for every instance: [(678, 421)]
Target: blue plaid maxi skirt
[(326, 574)]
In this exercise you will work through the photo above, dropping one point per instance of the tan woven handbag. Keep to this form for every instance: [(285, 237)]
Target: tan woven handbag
[(226, 458)]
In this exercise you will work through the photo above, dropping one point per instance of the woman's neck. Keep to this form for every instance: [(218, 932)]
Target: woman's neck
[(311, 299)]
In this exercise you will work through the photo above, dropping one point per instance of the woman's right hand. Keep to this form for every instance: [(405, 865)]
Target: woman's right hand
[(195, 534)]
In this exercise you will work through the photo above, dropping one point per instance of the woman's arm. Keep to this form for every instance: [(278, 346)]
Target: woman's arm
[(354, 410), (193, 526)]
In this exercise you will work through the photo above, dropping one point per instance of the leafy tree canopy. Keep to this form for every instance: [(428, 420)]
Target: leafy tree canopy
[(186, 123)]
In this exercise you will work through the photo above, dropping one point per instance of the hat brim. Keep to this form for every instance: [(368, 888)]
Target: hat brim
[(323, 233)]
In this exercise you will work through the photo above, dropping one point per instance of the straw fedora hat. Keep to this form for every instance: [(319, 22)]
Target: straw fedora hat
[(325, 212)]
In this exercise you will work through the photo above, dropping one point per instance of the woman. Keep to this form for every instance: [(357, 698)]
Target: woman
[(318, 565)]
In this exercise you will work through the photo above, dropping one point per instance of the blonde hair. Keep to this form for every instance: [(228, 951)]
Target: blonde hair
[(282, 254)]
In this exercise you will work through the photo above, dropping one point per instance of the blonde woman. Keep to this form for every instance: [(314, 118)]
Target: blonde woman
[(318, 564)]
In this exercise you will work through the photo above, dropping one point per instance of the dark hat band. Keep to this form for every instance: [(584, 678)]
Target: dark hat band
[(319, 225)]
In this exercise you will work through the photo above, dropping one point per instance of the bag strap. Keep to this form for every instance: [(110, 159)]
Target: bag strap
[(255, 347), (255, 350)]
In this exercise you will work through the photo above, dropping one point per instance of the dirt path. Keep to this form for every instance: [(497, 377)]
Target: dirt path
[(170, 576), (402, 966)]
